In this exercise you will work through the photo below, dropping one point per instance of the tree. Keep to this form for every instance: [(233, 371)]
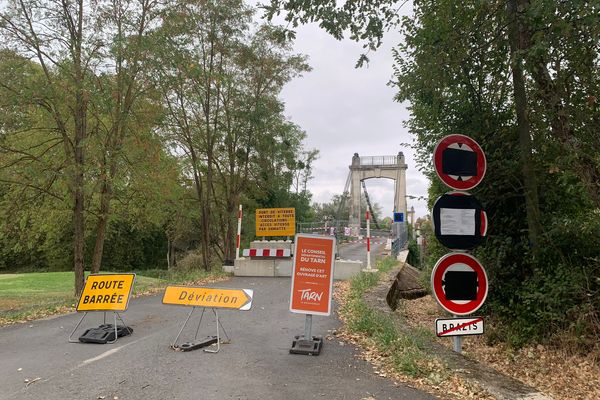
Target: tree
[(454, 66), (53, 34), (75, 44), (121, 95), (222, 111)]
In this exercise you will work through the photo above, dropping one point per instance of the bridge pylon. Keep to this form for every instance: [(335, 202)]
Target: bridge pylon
[(362, 168)]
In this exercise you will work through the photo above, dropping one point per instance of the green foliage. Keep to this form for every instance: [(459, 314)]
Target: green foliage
[(453, 69), (414, 254), (454, 66), (169, 147)]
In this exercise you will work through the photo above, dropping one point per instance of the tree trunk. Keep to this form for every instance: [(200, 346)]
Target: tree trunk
[(523, 128), (80, 119), (206, 258), (105, 197), (78, 194), (230, 232), (78, 224)]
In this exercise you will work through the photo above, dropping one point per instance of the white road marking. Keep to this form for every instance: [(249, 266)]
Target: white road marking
[(108, 353), (101, 356)]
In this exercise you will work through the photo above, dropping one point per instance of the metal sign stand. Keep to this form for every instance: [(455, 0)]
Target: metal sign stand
[(307, 344), (209, 340), (457, 342), (126, 330)]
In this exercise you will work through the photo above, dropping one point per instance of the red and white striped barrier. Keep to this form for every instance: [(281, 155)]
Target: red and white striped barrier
[(368, 240), (239, 233), (267, 253)]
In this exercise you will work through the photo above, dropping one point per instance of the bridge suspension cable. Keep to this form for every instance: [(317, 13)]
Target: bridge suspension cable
[(364, 185), (344, 197)]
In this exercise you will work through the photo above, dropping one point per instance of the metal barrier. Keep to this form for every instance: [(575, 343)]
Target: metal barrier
[(400, 237), (322, 228)]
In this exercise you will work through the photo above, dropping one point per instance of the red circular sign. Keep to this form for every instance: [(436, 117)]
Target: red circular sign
[(459, 162), (459, 283)]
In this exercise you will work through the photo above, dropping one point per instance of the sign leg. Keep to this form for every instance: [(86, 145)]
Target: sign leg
[(218, 336), (174, 344), (116, 332), (123, 322), (458, 344), (76, 326), (308, 327), (199, 322)]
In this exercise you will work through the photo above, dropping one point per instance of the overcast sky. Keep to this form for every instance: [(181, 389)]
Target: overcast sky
[(345, 111)]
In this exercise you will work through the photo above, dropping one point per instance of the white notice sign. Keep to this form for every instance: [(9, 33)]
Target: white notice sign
[(457, 221), (459, 326)]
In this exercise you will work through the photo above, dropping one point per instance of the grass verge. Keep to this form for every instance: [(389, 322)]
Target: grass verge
[(35, 295), (404, 353)]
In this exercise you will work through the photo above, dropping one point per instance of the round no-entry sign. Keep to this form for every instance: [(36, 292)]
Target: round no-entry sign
[(459, 221), (459, 283), (459, 162)]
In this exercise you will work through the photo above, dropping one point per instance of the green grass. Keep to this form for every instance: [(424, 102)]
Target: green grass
[(37, 294), (407, 352)]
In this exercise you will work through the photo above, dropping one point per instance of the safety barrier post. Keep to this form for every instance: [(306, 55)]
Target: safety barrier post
[(239, 233)]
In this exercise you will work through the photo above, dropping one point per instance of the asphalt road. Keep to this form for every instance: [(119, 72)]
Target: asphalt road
[(358, 250), (255, 365)]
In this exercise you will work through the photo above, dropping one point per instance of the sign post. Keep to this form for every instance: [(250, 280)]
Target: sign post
[(213, 298), (105, 292), (312, 287), (239, 234), (369, 269), (458, 280)]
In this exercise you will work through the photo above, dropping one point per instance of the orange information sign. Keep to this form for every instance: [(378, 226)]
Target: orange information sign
[(275, 221), (312, 276), (106, 292)]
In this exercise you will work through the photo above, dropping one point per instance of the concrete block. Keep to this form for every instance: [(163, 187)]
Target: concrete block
[(283, 267), (228, 268), (246, 267), (346, 269)]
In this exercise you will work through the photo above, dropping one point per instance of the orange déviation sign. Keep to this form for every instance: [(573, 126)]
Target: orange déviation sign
[(106, 292), (238, 299), (312, 275)]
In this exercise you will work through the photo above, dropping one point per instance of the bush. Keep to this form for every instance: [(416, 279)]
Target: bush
[(190, 262)]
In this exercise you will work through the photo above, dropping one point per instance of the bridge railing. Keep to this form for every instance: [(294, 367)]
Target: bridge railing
[(400, 237), (323, 228), (379, 160)]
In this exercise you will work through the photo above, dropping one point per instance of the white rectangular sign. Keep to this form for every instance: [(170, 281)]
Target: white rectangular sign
[(456, 221), (458, 326)]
